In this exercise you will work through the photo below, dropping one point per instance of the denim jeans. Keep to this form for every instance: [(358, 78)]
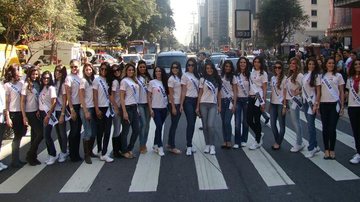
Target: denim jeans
[(226, 115), (241, 131), (276, 115), (159, 119), (174, 123), (310, 118), (253, 118), (295, 120), (208, 116), (134, 123), (144, 123), (329, 119), (189, 109), (103, 130), (89, 125), (74, 135), (47, 135), (355, 120), (61, 133)]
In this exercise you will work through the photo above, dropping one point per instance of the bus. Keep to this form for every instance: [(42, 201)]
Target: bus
[(143, 47)]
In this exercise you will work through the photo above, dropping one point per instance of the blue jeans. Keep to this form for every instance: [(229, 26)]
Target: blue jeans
[(134, 123), (103, 130), (226, 115), (144, 123), (240, 118), (189, 109), (159, 119), (310, 118), (295, 120), (208, 116), (47, 134), (89, 125), (61, 133), (174, 123), (276, 115)]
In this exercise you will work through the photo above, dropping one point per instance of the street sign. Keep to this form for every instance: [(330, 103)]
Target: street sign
[(242, 23)]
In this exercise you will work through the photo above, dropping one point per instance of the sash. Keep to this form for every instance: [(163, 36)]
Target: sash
[(14, 88), (278, 95), (142, 84), (212, 89), (241, 85), (110, 110), (309, 99), (162, 90), (332, 92), (76, 81), (228, 95), (133, 88), (53, 120), (296, 101), (353, 92), (194, 83), (259, 99)]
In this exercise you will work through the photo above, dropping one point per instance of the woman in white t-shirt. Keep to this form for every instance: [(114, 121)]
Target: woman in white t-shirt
[(277, 101), (87, 111), (14, 119), (47, 103), (188, 101), (311, 99), (208, 104), (30, 112), (331, 105), (243, 87), (129, 97), (228, 100), (72, 85), (158, 103), (257, 97), (144, 78), (293, 100), (174, 84), (353, 87), (104, 111)]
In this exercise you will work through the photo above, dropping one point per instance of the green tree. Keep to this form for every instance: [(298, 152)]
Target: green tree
[(279, 19)]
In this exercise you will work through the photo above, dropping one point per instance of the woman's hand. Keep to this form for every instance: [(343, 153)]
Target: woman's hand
[(99, 114), (173, 111)]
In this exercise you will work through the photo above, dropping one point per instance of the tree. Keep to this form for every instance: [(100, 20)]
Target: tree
[(279, 19)]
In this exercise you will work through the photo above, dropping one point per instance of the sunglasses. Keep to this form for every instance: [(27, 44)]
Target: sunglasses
[(46, 78), (74, 67), (191, 65), (277, 67)]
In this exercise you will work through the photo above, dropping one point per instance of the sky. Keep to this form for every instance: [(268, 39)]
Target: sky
[(184, 19)]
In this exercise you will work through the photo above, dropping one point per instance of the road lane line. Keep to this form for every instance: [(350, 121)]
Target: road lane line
[(6, 150), (146, 175)]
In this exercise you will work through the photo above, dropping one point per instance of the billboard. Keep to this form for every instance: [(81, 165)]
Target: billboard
[(242, 23)]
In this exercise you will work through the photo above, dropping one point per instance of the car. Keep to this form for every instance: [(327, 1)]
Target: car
[(131, 58), (250, 58), (149, 59), (102, 57), (165, 59), (215, 59)]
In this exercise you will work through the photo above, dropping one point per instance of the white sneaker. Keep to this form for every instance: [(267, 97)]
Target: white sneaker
[(243, 144), (161, 151), (62, 157), (51, 160), (193, 149), (296, 148), (155, 148), (3, 166), (188, 151), (212, 150), (312, 153), (235, 146), (207, 149), (106, 158), (355, 159), (254, 146)]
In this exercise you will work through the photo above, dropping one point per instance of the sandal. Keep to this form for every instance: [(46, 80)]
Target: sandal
[(332, 155), (175, 151), (224, 146)]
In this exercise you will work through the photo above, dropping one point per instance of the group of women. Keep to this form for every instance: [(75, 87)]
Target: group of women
[(125, 96)]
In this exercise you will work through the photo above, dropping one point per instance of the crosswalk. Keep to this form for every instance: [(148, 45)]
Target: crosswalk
[(209, 170)]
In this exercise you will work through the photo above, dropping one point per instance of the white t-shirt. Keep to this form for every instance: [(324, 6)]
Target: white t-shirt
[(258, 81), (116, 91), (73, 81), (143, 90), (352, 101), (334, 81), (277, 95), (192, 84), (290, 86), (311, 91), (158, 94), (174, 82), (31, 100), (89, 99), (13, 93), (227, 87), (131, 91), (209, 92), (46, 94), (59, 99), (102, 88), (243, 86)]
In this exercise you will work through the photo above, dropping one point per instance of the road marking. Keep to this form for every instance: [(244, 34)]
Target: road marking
[(146, 175), (6, 150), (331, 167), (208, 170), (24, 175)]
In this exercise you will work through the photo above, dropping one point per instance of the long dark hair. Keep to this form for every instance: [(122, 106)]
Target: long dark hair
[(314, 73), (10, 72), (352, 71), (293, 74), (90, 78), (196, 73), (146, 75), (282, 74), (164, 78), (247, 69), (51, 81), (28, 78), (63, 76), (214, 78), (178, 66), (229, 76), (261, 61), (324, 65)]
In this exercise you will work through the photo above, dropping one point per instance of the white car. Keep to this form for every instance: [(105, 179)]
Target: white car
[(131, 58), (149, 59)]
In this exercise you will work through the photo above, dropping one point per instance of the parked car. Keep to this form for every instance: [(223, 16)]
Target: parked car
[(99, 58), (165, 59), (149, 59), (131, 58)]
